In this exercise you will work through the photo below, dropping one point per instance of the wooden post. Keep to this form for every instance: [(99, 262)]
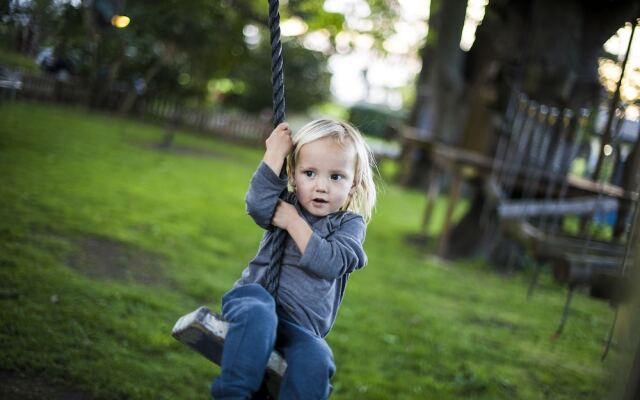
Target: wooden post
[(406, 163), (453, 201), (432, 196), (632, 387)]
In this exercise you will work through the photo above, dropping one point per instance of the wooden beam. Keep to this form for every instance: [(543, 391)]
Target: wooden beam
[(513, 209)]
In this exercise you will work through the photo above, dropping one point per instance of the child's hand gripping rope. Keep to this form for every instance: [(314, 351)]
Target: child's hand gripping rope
[(279, 145), (284, 215)]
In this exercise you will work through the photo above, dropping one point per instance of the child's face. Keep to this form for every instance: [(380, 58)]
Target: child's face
[(324, 175)]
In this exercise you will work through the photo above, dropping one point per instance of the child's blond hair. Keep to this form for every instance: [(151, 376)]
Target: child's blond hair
[(363, 198)]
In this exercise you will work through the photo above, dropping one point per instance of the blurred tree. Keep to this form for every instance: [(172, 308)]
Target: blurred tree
[(445, 78), (440, 83), (179, 48), (194, 39), (27, 23), (307, 78), (105, 10), (547, 48), (200, 41)]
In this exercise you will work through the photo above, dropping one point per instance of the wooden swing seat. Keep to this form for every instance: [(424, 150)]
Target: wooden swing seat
[(205, 332)]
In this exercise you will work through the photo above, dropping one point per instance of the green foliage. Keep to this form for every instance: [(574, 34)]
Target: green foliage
[(313, 14), (104, 10), (306, 78), (330, 110), (374, 120), (16, 15), (178, 47), (17, 61), (410, 327), (203, 40)]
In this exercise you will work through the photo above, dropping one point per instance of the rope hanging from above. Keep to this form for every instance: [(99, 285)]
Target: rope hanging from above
[(277, 72), (202, 330), (272, 274)]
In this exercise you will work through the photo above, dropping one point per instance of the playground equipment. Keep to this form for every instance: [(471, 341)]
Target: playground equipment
[(531, 191), (532, 195)]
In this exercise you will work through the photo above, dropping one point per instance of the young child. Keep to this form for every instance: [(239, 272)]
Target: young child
[(324, 207)]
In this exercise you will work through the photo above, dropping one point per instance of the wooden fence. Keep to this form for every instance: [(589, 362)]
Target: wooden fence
[(232, 126)]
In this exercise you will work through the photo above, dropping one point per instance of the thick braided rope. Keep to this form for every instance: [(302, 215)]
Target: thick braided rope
[(277, 74), (272, 274)]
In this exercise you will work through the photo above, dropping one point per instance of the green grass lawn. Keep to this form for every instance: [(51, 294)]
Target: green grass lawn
[(106, 241)]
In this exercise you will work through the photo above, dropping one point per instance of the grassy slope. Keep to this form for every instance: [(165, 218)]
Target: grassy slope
[(410, 327)]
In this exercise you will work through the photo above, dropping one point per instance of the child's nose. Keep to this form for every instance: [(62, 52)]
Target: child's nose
[(321, 185)]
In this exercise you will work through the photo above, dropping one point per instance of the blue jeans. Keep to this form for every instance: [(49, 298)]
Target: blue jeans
[(255, 328)]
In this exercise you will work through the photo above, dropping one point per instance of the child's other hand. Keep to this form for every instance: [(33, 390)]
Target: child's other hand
[(279, 143), (286, 217), (284, 214)]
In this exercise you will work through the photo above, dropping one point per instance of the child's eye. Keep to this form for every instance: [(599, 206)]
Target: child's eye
[(310, 174), (336, 177)]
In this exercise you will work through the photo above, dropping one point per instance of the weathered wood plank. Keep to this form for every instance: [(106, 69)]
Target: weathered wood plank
[(510, 209), (205, 332)]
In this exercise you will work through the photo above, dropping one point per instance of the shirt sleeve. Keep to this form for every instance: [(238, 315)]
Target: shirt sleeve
[(262, 197), (339, 253)]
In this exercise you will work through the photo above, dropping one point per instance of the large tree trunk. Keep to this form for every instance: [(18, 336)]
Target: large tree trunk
[(88, 19), (436, 112), (418, 117), (416, 169), (446, 78)]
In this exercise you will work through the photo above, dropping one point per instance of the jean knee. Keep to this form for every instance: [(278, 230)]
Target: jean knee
[(250, 304), (316, 363), (324, 364), (309, 378), (263, 314)]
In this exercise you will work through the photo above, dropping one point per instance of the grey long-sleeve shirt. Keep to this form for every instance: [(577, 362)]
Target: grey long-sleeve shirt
[(312, 284)]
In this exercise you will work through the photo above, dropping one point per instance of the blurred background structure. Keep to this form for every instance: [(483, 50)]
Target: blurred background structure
[(515, 123)]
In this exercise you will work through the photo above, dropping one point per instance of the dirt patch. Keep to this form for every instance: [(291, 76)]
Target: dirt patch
[(103, 258), (14, 386), (495, 323), (422, 242)]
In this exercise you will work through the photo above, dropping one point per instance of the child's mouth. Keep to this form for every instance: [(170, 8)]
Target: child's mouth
[(319, 201)]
